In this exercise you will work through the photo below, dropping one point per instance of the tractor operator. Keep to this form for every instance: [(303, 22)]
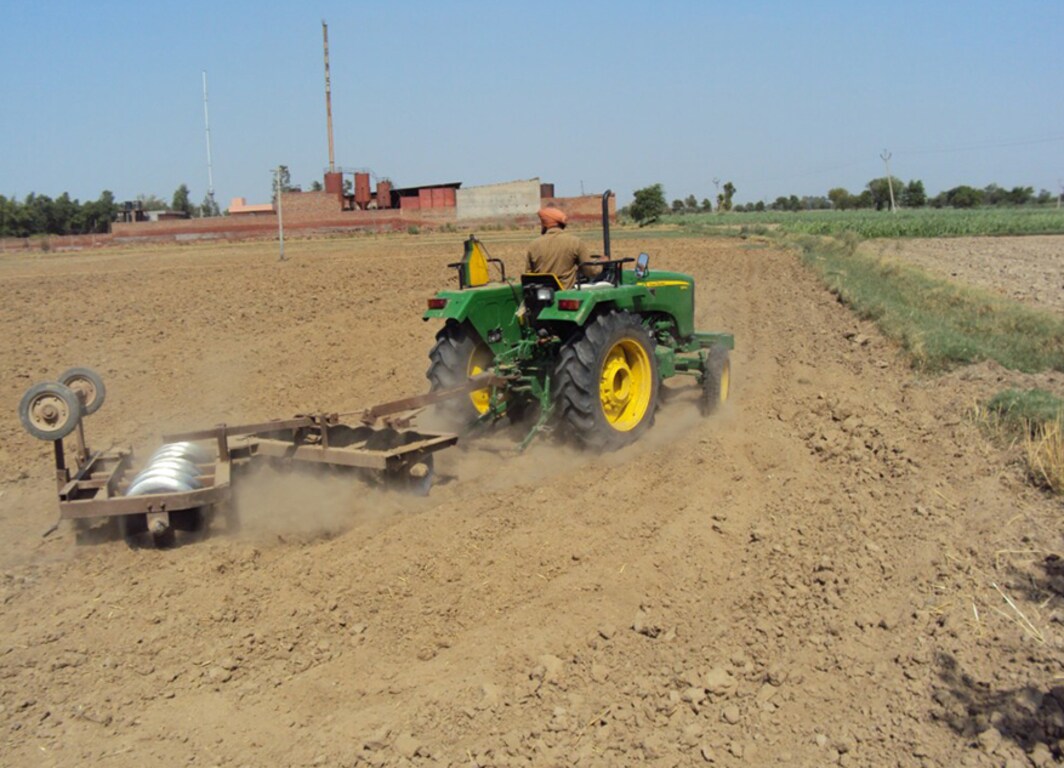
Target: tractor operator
[(558, 252)]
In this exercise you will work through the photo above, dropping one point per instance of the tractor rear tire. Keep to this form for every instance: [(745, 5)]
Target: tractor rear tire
[(606, 383), (458, 354), (716, 379)]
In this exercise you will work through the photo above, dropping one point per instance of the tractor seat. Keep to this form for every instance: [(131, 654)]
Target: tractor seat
[(593, 286)]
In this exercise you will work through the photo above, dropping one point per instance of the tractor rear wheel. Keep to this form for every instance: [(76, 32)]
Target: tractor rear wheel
[(606, 382), (458, 354), (716, 379)]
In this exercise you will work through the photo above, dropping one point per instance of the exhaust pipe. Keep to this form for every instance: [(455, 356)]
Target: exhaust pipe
[(606, 223)]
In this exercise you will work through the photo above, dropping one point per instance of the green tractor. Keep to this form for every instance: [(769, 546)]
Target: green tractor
[(588, 360)]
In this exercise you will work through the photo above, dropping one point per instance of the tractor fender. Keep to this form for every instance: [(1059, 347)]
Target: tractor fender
[(491, 310)]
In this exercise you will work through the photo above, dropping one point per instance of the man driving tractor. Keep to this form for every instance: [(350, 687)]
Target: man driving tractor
[(557, 252)]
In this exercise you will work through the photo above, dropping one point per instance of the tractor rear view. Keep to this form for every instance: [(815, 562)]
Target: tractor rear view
[(587, 361)]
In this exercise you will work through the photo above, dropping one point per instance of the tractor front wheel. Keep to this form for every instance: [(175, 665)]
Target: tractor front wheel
[(716, 379), (458, 354), (607, 382)]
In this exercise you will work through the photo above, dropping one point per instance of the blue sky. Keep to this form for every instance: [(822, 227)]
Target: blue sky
[(778, 98)]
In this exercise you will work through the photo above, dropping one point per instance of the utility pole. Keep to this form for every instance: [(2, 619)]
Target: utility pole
[(890, 183), (280, 211), (1061, 195), (716, 183), (210, 172), (328, 94)]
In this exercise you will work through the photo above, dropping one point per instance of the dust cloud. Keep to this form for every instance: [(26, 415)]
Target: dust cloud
[(310, 502)]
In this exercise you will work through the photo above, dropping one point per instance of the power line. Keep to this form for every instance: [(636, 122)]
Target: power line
[(984, 145)]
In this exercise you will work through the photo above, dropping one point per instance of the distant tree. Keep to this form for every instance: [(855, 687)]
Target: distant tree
[(7, 210), (914, 196), (209, 207), (706, 206), (1045, 197), (315, 186), (65, 215), (880, 190), (151, 202), (964, 196), (690, 204), (864, 200), (677, 206), (1020, 195), (994, 195), (180, 201), (780, 204), (759, 206), (284, 179), (840, 198), (648, 204), (729, 193)]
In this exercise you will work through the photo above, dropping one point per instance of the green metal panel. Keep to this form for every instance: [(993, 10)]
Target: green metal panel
[(624, 297), (670, 293), (487, 308)]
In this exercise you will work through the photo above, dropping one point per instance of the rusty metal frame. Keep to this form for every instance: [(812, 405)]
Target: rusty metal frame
[(95, 488)]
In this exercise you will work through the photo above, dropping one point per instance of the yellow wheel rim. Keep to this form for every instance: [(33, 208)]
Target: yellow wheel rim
[(725, 381), (625, 384), (479, 362)]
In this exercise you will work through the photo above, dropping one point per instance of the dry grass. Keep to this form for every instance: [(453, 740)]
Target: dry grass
[(1041, 442), (1044, 453)]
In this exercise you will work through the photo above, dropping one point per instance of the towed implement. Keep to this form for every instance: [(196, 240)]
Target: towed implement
[(587, 361), (182, 484)]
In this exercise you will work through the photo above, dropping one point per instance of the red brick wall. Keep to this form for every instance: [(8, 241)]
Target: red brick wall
[(309, 206), (585, 209), (312, 212)]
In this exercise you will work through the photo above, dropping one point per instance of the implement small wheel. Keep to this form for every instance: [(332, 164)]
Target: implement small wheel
[(49, 411), (88, 385), (716, 379)]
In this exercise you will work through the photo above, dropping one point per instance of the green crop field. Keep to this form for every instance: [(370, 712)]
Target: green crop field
[(922, 222)]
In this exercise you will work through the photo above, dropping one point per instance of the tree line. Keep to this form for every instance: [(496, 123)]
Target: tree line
[(42, 215), (649, 203)]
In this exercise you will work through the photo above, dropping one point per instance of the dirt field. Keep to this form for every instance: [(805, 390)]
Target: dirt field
[(836, 570), (1027, 269)]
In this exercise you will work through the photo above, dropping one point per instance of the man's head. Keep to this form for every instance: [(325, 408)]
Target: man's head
[(552, 217)]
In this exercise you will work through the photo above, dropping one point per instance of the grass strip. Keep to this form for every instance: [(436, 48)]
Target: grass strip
[(941, 325), (915, 222), (1033, 418)]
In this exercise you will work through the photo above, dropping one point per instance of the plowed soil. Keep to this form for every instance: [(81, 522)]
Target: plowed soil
[(1026, 269), (837, 569)]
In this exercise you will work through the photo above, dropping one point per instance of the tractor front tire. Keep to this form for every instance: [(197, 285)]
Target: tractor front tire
[(606, 383), (716, 379), (458, 354)]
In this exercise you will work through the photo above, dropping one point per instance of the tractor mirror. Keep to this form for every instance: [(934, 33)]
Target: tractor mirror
[(642, 266)]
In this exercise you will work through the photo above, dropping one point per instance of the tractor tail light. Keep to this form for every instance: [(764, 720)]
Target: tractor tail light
[(569, 305), (435, 303)]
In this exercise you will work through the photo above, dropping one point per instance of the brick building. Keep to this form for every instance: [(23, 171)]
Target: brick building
[(383, 209)]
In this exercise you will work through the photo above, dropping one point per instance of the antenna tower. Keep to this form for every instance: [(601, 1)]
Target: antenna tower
[(207, 128), (328, 94)]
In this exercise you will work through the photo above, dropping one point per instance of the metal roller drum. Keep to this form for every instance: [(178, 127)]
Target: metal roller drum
[(171, 469)]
